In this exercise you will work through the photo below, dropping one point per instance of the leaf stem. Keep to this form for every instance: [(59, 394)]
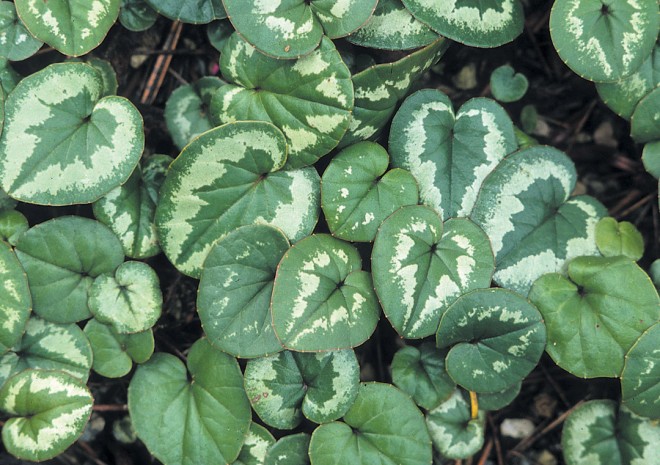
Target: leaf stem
[(474, 405)]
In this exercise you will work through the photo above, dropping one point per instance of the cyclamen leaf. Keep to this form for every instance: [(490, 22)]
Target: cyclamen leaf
[(507, 85), (615, 238), (310, 99), (645, 121), (650, 158), (322, 300), (256, 445), (357, 194), (498, 400), (289, 450), (12, 225), (57, 112), (50, 410), (640, 379), (108, 75), (137, 15), (6, 202), (61, 258), (420, 266), (228, 179), (8, 76), (218, 33), (16, 43), (73, 27), (189, 11), (15, 302)]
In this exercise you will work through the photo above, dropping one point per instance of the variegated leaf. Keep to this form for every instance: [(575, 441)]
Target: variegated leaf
[(380, 88), (189, 11), (218, 33), (533, 229), (472, 22), (137, 15), (227, 178), (588, 333), (450, 155), (12, 225), (293, 28), (309, 99), (322, 300), (256, 445), (615, 238), (130, 301), (640, 379), (357, 194), (289, 450), (64, 144), (599, 432), (49, 411), (604, 41), (284, 387), (187, 110), (108, 75), (16, 43), (235, 287), (73, 27), (645, 121), (455, 434), (8, 76), (496, 339), (15, 302), (61, 258), (420, 266)]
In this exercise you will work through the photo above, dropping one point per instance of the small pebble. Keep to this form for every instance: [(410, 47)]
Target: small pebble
[(517, 428)]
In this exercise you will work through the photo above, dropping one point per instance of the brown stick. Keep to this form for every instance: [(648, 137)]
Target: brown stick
[(486, 452), (161, 66), (110, 408), (496, 439)]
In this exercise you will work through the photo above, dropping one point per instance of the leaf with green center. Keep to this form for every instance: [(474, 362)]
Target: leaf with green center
[(450, 155), (289, 450), (202, 412), (596, 433), (293, 28), (650, 158), (64, 144), (130, 301), (453, 432), (498, 400), (645, 121), (72, 27), (284, 387), (137, 15), (322, 300), (16, 43), (12, 225), (380, 88), (309, 99), (227, 178), (624, 95), (392, 27), (233, 300), (108, 75), (256, 446), (357, 194), (49, 346), (61, 258), (186, 111), (15, 302), (49, 411), (496, 338), (588, 333), (476, 23), (615, 238), (604, 41), (507, 85), (382, 426), (640, 379), (189, 11), (420, 372), (534, 229), (115, 353), (218, 33), (420, 266)]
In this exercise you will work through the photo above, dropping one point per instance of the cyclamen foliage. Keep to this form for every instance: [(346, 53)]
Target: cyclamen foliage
[(316, 197)]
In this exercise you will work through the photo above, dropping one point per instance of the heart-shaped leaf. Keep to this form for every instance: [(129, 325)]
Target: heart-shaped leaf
[(108, 75), (599, 433), (61, 258), (294, 28), (50, 410), (16, 43), (604, 41), (588, 333), (645, 121), (284, 387), (357, 194), (256, 445), (49, 346), (15, 302), (64, 144), (289, 450), (187, 110), (189, 11), (640, 379), (228, 179), (420, 372), (650, 158), (615, 238), (450, 155), (204, 419), (309, 99), (453, 431), (130, 301), (322, 300), (115, 353), (73, 27), (218, 33), (472, 22), (137, 15), (235, 287), (382, 426), (507, 85), (420, 266), (12, 225), (496, 339)]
